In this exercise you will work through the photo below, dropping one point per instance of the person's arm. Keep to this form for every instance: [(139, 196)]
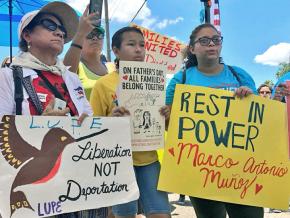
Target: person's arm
[(72, 57), (7, 102), (170, 90), (246, 79), (247, 86), (165, 111)]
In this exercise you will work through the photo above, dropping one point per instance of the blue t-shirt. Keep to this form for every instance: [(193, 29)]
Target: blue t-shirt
[(224, 80)]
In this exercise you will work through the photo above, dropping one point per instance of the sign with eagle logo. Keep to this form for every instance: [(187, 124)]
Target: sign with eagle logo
[(51, 165)]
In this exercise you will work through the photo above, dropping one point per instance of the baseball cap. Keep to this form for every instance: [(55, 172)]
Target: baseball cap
[(100, 29), (63, 11)]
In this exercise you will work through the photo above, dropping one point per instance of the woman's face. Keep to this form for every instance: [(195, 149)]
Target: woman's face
[(132, 47), (265, 92), (93, 45), (146, 116), (43, 38), (207, 46)]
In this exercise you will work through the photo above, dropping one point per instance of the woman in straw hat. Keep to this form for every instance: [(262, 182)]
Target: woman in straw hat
[(47, 86)]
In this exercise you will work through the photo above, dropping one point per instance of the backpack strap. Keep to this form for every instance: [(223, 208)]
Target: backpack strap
[(183, 75), (230, 67), (184, 71), (19, 83), (32, 94), (235, 74), (18, 93)]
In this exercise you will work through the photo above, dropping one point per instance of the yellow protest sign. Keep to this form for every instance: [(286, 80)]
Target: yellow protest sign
[(162, 50), (227, 149)]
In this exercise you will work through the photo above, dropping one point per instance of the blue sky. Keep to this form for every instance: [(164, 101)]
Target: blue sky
[(256, 33)]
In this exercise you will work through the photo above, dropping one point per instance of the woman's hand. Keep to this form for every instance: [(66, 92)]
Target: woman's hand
[(242, 92), (82, 118), (281, 91), (49, 111), (120, 112), (165, 111), (86, 24)]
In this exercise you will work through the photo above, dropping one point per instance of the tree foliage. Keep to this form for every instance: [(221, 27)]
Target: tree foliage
[(283, 69), (269, 83)]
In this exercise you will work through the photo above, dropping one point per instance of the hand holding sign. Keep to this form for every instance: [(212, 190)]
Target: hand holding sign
[(226, 148), (242, 92), (142, 92), (64, 167), (120, 112)]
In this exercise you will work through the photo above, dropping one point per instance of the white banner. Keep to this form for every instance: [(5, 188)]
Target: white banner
[(50, 165), (162, 50), (142, 92)]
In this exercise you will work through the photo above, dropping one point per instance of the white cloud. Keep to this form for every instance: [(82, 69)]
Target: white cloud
[(275, 55), (120, 10), (148, 23), (123, 11), (80, 6), (164, 23)]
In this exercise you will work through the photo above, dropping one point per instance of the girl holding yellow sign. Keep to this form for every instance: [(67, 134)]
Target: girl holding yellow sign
[(203, 68)]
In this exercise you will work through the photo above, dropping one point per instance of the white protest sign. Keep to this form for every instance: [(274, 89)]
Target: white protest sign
[(163, 50), (51, 165), (142, 92)]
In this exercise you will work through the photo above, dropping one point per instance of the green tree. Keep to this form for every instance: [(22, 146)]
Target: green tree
[(269, 83), (283, 69)]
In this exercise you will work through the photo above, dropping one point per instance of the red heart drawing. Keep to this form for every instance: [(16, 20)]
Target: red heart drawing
[(162, 80), (125, 77), (258, 188), (171, 151)]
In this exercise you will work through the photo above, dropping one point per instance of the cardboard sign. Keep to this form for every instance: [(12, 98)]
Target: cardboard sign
[(51, 165), (223, 148), (288, 117), (142, 92), (162, 50)]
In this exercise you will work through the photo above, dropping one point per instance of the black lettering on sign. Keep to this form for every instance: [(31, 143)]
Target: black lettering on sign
[(106, 168)]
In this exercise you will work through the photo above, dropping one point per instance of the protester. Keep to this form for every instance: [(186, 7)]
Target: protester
[(128, 45), (203, 68), (281, 89), (85, 53), (42, 35), (84, 57), (265, 90)]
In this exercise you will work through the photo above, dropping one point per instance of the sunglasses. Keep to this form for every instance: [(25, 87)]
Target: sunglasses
[(205, 41), (52, 26), (265, 92), (95, 33)]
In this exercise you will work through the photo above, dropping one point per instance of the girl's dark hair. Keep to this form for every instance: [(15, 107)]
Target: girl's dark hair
[(118, 38), (191, 58), (264, 85), (23, 46), (146, 112)]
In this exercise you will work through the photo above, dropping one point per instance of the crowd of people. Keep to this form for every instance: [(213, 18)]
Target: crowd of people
[(42, 35)]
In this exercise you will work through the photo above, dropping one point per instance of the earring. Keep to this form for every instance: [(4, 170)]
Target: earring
[(28, 45)]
